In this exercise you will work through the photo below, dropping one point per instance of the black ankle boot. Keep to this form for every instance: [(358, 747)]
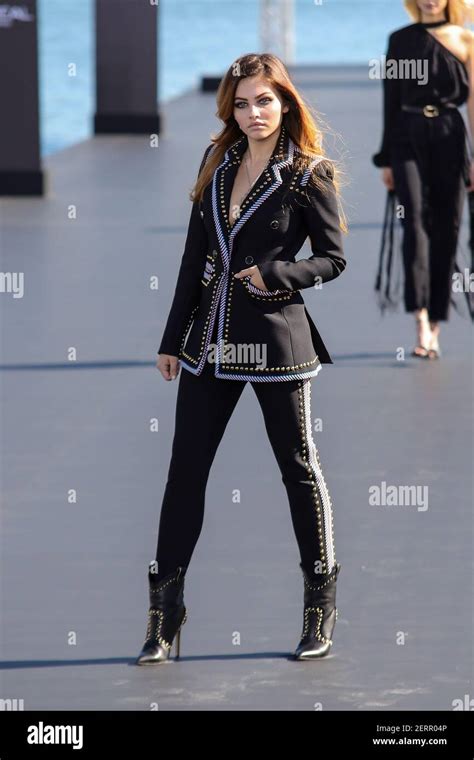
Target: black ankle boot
[(166, 615), (320, 614)]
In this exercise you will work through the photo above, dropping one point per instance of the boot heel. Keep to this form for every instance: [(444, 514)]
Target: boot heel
[(178, 637), (178, 643)]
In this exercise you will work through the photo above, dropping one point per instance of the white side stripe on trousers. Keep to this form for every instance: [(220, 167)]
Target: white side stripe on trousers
[(325, 499)]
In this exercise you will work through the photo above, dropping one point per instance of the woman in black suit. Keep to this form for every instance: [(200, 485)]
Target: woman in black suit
[(426, 160), (238, 315)]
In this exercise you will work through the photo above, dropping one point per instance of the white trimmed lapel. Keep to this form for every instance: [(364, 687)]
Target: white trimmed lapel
[(267, 183)]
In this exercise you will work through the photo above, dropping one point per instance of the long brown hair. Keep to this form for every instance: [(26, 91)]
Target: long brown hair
[(299, 121), (457, 11)]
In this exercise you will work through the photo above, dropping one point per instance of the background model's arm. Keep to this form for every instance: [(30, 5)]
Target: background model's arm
[(391, 107)]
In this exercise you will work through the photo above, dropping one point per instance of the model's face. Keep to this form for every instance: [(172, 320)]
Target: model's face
[(432, 7), (257, 103)]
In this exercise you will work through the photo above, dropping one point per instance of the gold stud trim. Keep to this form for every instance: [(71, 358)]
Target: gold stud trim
[(246, 367), (314, 489), (285, 296), (183, 353), (318, 635), (157, 634)]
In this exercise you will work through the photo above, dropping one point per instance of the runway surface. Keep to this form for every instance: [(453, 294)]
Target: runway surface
[(83, 470)]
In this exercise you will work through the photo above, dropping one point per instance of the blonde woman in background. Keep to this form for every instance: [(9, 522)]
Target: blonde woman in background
[(426, 160)]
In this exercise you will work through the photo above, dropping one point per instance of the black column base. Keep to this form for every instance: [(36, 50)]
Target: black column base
[(126, 123), (22, 182)]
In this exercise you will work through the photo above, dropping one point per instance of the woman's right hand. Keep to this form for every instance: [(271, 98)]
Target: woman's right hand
[(168, 366), (387, 178)]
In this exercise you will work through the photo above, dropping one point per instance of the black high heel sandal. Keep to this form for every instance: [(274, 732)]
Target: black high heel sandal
[(166, 616), (420, 347), (434, 352)]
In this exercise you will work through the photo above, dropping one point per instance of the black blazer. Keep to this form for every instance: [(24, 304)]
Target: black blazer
[(275, 219)]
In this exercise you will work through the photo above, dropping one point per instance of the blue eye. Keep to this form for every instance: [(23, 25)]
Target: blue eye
[(241, 103)]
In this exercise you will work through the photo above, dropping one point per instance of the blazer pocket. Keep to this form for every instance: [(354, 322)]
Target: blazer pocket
[(281, 294), (209, 271)]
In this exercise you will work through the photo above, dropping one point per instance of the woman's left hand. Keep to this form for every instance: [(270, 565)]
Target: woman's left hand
[(255, 279)]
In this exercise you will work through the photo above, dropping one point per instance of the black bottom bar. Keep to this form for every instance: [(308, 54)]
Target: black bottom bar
[(407, 735)]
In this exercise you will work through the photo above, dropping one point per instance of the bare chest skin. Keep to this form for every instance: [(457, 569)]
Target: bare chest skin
[(240, 188), (452, 39)]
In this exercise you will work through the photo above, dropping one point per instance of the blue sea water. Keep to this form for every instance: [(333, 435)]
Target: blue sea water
[(195, 37)]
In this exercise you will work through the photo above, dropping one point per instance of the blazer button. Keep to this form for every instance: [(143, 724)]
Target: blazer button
[(214, 254), (202, 214), (274, 223), (249, 259)]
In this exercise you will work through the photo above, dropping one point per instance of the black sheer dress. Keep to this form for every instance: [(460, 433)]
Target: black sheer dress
[(426, 144)]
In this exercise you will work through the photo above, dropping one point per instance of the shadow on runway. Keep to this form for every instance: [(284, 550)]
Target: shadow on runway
[(365, 356), (24, 664)]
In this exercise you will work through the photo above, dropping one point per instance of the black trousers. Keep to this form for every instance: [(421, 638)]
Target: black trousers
[(427, 163), (204, 406)]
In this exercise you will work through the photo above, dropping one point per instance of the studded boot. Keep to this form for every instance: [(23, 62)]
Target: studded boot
[(320, 615), (166, 615)]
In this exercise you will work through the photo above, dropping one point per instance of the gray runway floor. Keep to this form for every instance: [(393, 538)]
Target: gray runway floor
[(83, 474)]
